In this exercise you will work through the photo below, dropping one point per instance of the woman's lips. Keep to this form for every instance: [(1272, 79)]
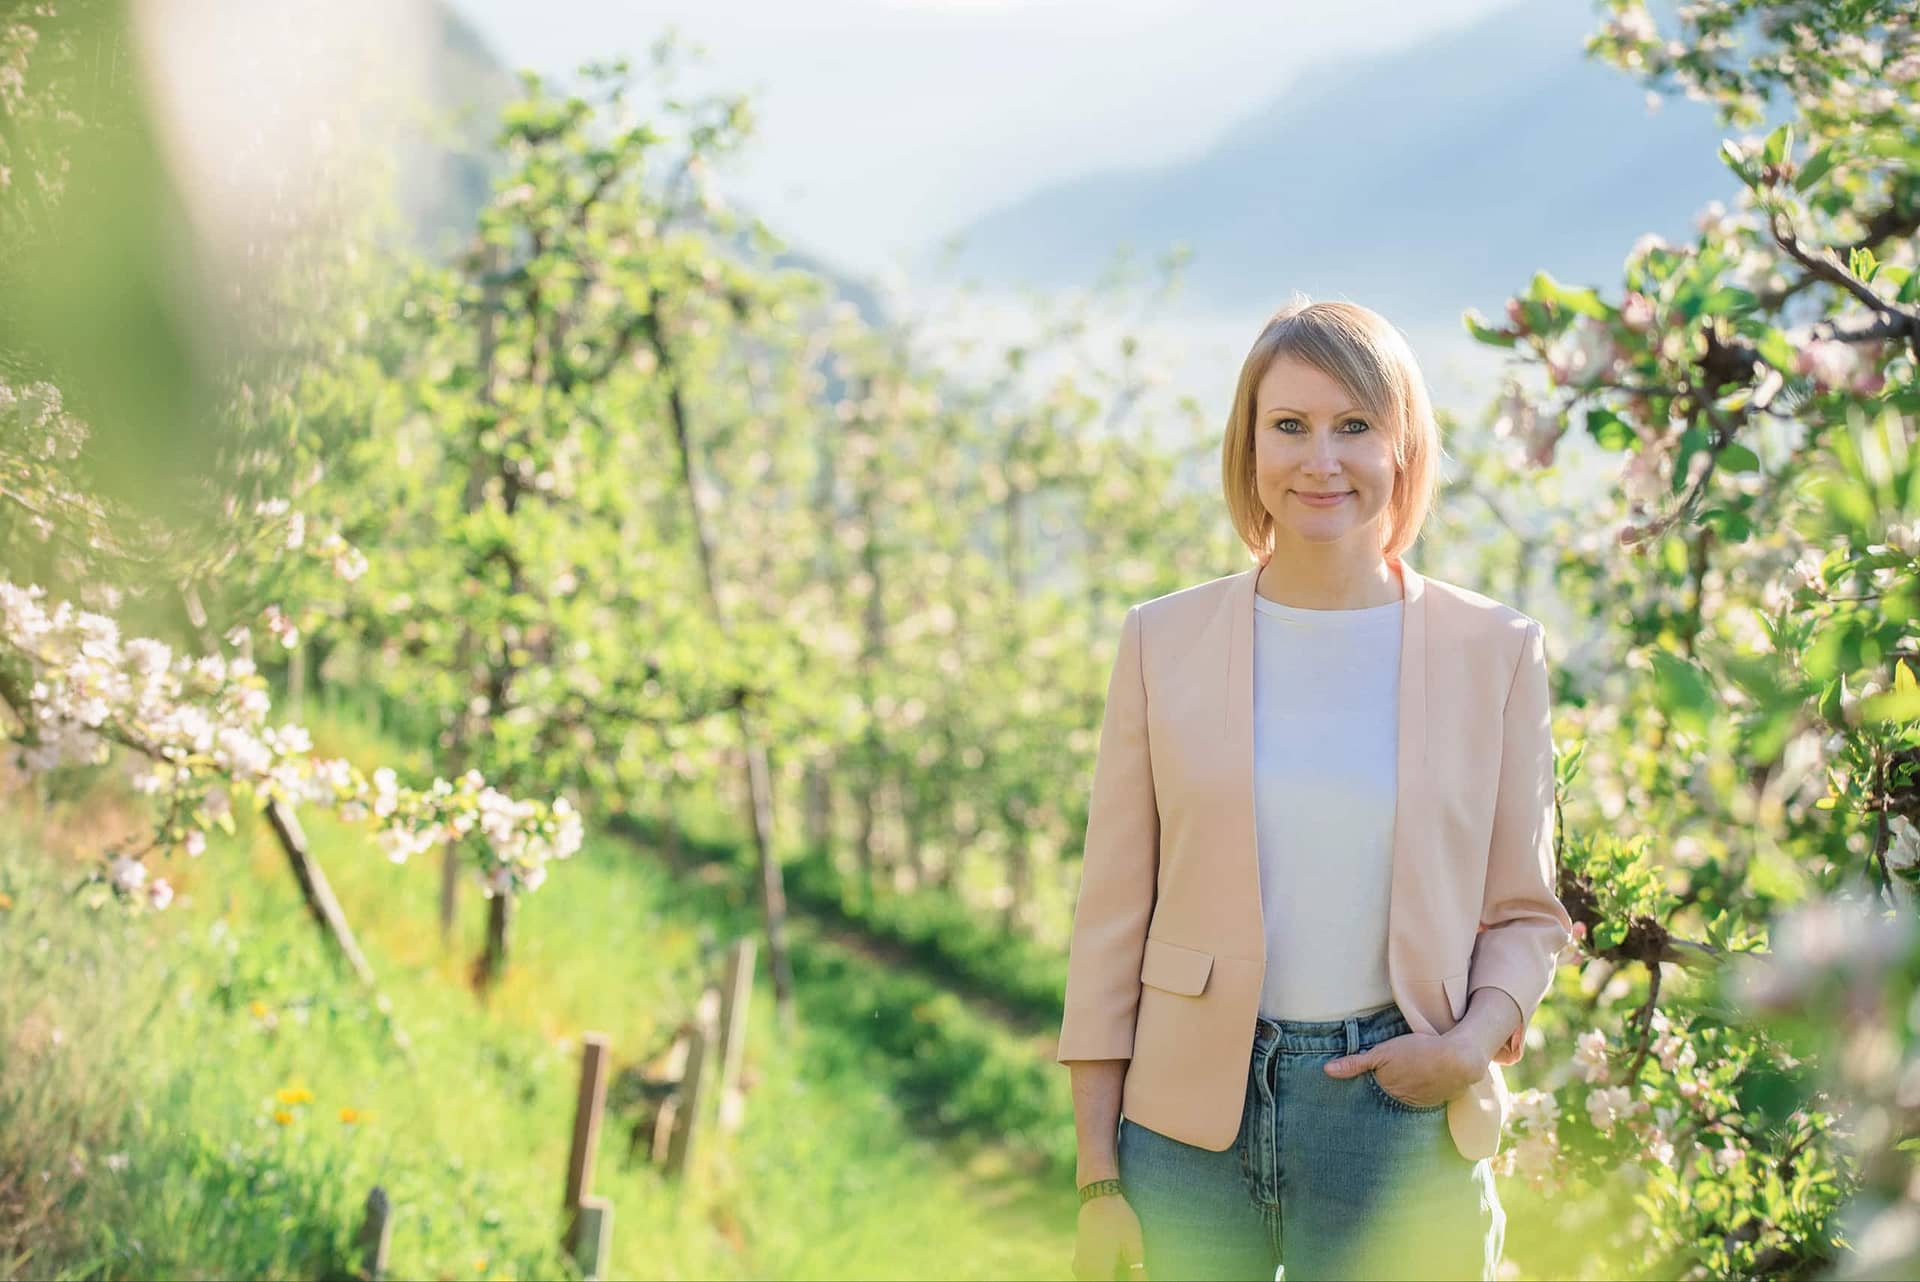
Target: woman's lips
[(1314, 500)]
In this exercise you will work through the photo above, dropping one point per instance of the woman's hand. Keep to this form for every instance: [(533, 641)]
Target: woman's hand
[(1421, 1069), (1107, 1242)]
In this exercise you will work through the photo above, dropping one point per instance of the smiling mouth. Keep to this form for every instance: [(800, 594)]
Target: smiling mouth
[(1337, 494)]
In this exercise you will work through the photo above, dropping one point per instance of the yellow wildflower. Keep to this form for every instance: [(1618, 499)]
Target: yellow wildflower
[(281, 1116), (480, 1265), (291, 1095), (259, 1010), (6, 901), (352, 1116)]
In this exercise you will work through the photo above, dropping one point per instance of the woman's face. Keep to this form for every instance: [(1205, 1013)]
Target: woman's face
[(1309, 439)]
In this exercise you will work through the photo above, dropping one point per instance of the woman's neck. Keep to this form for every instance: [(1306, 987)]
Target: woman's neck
[(1328, 587)]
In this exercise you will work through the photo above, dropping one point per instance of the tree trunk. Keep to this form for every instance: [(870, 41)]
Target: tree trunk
[(759, 780)]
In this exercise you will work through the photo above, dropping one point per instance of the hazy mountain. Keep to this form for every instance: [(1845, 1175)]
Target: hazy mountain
[(444, 171), (1419, 182)]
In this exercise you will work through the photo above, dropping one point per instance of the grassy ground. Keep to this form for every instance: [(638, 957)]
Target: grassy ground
[(172, 1090)]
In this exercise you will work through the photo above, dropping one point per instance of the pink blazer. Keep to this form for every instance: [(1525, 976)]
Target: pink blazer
[(1168, 949)]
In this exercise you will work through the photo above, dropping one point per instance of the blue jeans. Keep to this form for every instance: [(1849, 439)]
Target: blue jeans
[(1331, 1176)]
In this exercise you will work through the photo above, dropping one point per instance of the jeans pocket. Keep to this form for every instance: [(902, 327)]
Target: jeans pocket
[(1395, 1102)]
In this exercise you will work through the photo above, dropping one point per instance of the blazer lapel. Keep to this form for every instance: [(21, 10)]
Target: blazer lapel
[(1410, 801)]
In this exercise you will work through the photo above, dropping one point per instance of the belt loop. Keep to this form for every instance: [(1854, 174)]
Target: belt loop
[(1353, 1035)]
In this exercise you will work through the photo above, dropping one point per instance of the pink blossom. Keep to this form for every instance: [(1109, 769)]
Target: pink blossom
[(1637, 312), (1608, 1105), (1830, 362), (1590, 1055), (128, 875)]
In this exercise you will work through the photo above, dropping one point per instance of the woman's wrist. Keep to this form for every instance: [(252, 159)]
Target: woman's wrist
[(1088, 1172), (1091, 1189)]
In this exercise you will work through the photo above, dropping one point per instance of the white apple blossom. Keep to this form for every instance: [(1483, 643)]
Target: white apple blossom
[(1583, 354), (199, 726), (1535, 1155), (128, 874), (1903, 851), (1590, 1055), (282, 627), (1608, 1105), (1642, 477), (1633, 25), (1535, 1109), (1830, 362), (1637, 312)]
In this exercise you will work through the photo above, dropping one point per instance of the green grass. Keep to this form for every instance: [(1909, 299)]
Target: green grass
[(177, 1031)]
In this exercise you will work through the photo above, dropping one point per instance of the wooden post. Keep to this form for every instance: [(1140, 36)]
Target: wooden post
[(376, 1234), (593, 1245), (321, 904), (586, 1134), (499, 917), (325, 909), (664, 1121), (693, 1090), (735, 995), (449, 889)]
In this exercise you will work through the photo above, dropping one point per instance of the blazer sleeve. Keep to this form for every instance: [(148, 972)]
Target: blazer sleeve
[(1118, 872), (1523, 924)]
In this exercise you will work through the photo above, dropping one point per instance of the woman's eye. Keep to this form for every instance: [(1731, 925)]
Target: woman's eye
[(1352, 422)]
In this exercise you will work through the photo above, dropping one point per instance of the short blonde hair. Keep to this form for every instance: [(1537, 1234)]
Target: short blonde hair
[(1371, 360)]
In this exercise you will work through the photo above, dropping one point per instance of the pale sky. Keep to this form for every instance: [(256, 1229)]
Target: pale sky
[(885, 124)]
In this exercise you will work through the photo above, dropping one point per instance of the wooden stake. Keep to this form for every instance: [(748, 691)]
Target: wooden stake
[(321, 904), (594, 1242), (324, 908), (586, 1133), (693, 1090), (663, 1121), (449, 890), (376, 1234), (735, 995), (499, 917)]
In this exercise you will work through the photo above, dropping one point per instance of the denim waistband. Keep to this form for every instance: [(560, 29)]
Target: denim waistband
[(1342, 1036)]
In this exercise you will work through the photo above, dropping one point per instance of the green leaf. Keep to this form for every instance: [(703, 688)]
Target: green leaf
[(1673, 555), (1815, 169), (1830, 698), (1477, 326), (1575, 298), (1682, 691), (1892, 705), (1776, 351), (1608, 429), (1730, 153), (1779, 145), (1738, 458)]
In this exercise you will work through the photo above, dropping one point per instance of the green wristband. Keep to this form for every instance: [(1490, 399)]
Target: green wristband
[(1098, 1188)]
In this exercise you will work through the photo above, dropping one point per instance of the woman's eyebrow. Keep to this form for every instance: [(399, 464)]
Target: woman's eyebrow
[(1285, 409)]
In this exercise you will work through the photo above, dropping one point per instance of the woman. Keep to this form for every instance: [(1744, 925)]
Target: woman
[(1317, 906)]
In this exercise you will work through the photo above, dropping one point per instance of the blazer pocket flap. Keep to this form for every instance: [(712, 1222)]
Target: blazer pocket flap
[(1175, 968)]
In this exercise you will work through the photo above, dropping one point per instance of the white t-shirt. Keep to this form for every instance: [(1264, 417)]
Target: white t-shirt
[(1325, 750)]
